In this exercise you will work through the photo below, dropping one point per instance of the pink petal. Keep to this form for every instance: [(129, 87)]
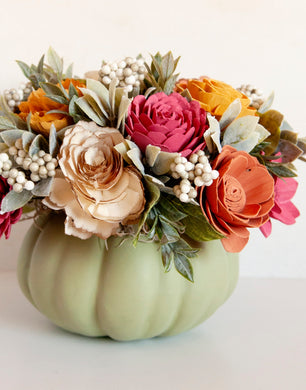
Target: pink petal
[(266, 228)]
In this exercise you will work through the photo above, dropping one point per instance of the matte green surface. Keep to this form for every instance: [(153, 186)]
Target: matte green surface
[(121, 292)]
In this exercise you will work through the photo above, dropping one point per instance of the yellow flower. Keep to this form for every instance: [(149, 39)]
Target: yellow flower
[(215, 96)]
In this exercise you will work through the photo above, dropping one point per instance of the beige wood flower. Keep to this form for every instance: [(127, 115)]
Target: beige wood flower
[(96, 190)]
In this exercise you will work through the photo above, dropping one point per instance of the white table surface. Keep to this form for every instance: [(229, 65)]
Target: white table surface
[(257, 340)]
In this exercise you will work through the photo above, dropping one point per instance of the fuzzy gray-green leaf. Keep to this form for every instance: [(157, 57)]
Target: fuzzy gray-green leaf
[(6, 124), (15, 200), (11, 136), (55, 61), (39, 143), (53, 144), (43, 187)]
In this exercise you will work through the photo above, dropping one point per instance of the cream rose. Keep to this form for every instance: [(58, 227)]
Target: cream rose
[(96, 190)]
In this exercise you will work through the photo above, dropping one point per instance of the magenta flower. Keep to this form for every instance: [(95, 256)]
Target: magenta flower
[(167, 121), (283, 210), (7, 219)]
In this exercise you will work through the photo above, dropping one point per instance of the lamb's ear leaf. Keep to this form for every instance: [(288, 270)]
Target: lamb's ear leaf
[(15, 200)]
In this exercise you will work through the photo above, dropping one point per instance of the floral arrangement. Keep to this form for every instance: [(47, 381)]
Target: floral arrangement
[(133, 151)]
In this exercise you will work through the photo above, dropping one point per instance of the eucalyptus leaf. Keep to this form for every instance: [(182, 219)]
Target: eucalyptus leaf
[(15, 200)]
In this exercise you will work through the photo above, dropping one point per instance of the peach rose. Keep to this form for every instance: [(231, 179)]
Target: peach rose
[(39, 106), (215, 96), (241, 197), (96, 190)]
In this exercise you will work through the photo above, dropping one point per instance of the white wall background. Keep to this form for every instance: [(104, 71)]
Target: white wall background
[(260, 42)]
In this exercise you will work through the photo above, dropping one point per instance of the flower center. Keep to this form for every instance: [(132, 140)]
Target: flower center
[(94, 156), (234, 198)]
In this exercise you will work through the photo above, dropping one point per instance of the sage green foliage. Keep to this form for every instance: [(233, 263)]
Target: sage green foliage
[(104, 106), (166, 219), (52, 72), (161, 72)]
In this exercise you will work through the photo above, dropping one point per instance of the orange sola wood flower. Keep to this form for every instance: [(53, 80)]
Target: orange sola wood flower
[(240, 198)]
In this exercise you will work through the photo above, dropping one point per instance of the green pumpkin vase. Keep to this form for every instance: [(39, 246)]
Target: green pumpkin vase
[(121, 292)]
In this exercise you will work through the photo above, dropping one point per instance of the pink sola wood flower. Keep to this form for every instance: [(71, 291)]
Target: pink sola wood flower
[(7, 219), (283, 210), (167, 121)]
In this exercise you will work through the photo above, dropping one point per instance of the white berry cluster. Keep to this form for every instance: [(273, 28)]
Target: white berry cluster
[(40, 166), (196, 171), (15, 178), (129, 73), (13, 96), (255, 95)]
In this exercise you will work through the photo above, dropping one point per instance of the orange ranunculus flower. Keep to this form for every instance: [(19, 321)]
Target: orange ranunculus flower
[(215, 96), (241, 197), (39, 106)]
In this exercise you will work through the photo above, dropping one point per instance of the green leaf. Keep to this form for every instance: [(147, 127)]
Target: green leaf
[(27, 139), (168, 209), (85, 106), (11, 136), (53, 144), (43, 187), (58, 99), (15, 200), (280, 170), (52, 89), (6, 123), (72, 91), (183, 266), (55, 62), (40, 66), (39, 143), (69, 72), (26, 70), (196, 224), (169, 232), (167, 257), (168, 65), (152, 194)]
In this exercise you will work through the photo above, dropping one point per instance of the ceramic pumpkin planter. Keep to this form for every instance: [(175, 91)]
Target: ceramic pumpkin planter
[(122, 292)]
